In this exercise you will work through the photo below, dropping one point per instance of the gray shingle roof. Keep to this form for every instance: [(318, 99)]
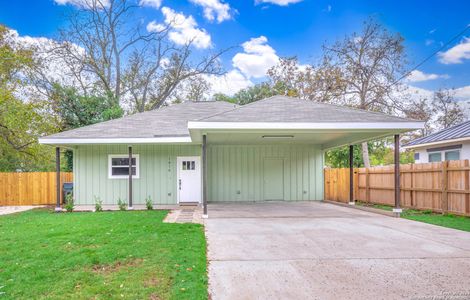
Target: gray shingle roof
[(165, 122), (288, 109), (455, 132), (172, 121)]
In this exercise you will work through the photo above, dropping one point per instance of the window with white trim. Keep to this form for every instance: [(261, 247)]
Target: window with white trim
[(118, 166), (452, 155), (435, 157)]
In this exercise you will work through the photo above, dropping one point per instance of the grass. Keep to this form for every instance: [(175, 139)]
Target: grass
[(108, 255), (427, 216)]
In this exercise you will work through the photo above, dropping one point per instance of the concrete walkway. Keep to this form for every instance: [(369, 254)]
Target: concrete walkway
[(308, 250), (6, 210)]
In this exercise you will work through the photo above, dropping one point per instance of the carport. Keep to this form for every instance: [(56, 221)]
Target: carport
[(273, 149)]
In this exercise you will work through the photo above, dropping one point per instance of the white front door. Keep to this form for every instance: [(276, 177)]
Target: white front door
[(189, 179)]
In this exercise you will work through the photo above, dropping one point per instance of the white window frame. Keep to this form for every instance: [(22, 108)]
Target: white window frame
[(436, 152), (452, 150), (137, 164)]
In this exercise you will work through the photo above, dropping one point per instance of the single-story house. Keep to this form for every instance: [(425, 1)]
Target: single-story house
[(200, 152), (452, 143)]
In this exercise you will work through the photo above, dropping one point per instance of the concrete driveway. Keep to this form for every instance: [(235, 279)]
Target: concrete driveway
[(308, 250)]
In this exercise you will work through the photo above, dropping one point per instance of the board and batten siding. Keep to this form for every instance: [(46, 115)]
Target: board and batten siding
[(235, 172), (157, 173)]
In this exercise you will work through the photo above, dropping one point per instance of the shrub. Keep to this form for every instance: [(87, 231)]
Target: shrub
[(148, 203), (122, 205), (98, 204), (69, 206)]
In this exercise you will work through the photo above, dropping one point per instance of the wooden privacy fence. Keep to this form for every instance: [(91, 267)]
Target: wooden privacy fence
[(30, 188), (440, 186)]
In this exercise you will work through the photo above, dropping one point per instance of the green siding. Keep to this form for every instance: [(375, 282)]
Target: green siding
[(235, 172), (157, 173)]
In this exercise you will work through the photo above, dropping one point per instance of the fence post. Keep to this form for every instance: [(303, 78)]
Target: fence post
[(467, 187), (444, 200), (367, 186)]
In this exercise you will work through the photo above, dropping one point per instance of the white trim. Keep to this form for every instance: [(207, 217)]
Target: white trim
[(178, 160), (160, 140), (303, 126), (137, 168), (436, 143)]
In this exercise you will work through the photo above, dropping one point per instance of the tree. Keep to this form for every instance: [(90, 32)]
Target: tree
[(317, 83), (21, 121), (447, 110), (419, 110), (369, 64), (142, 68), (74, 110), (253, 93)]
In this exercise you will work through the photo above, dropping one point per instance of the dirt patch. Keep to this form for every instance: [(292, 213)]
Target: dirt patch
[(154, 297), (117, 266), (151, 282)]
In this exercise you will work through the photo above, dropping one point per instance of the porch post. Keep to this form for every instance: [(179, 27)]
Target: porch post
[(397, 209), (204, 175), (351, 175), (57, 179), (130, 178)]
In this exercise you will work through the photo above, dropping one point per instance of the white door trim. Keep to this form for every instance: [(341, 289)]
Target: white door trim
[(179, 159)]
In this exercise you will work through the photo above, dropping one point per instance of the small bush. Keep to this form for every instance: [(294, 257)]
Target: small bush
[(148, 203), (98, 204), (69, 206), (122, 205)]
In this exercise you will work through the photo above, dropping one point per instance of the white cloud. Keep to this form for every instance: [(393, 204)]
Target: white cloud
[(183, 29), (418, 76), (84, 3), (229, 83), (278, 2), (151, 3), (214, 9), (155, 27), (256, 59), (456, 54), (463, 93)]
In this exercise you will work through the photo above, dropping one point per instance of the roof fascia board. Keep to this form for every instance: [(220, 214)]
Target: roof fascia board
[(85, 141), (436, 143), (305, 126)]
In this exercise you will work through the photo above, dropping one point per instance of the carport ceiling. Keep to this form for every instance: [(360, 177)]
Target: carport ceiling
[(326, 139)]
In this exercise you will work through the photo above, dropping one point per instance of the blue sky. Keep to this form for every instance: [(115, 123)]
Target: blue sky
[(297, 28)]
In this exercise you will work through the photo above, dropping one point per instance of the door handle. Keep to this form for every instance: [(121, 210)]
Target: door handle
[(179, 184)]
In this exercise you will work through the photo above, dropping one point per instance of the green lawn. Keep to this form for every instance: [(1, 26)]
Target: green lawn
[(447, 220), (108, 255)]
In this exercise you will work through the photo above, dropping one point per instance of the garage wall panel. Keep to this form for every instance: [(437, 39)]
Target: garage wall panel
[(235, 172)]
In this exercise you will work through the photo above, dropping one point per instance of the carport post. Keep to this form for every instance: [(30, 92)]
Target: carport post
[(130, 179), (397, 209), (204, 176), (57, 179), (351, 175)]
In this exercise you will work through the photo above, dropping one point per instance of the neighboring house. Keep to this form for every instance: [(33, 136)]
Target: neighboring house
[(452, 143), (272, 149)]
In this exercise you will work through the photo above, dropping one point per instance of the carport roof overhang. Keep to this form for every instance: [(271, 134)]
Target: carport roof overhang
[(327, 135)]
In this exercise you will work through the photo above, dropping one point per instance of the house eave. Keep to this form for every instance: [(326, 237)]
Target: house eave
[(105, 141), (425, 145), (305, 126)]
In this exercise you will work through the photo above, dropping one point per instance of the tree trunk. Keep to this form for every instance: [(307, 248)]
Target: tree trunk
[(365, 155)]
